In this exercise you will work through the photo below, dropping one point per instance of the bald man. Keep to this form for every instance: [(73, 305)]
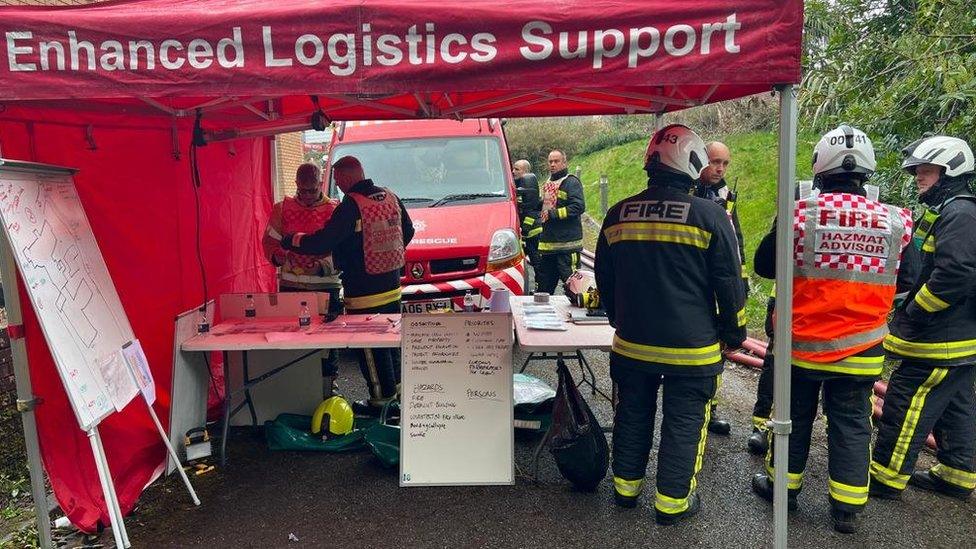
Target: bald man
[(562, 228), (712, 186)]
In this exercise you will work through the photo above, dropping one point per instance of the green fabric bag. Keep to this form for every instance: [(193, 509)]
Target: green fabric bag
[(383, 438), (292, 432)]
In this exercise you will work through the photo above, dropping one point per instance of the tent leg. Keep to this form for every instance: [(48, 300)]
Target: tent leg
[(783, 342), (25, 393)]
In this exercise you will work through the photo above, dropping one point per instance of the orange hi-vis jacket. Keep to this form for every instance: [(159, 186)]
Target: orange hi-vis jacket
[(301, 271), (847, 250)]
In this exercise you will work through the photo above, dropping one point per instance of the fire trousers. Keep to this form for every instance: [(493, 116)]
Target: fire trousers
[(763, 408), (848, 405), (554, 268), (923, 398), (380, 367), (684, 430)]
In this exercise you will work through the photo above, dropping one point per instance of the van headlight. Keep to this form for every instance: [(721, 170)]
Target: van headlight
[(505, 250)]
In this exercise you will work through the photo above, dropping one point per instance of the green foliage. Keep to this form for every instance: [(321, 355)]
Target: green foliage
[(894, 68), (753, 171)]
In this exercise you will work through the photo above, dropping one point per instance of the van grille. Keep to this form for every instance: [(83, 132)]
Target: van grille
[(454, 265)]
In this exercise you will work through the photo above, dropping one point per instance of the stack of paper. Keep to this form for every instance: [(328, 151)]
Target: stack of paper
[(543, 317)]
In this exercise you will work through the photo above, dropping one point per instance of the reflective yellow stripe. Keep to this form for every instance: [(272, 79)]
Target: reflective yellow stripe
[(670, 505), (928, 301), (943, 351), (528, 221), (678, 356), (845, 493), (741, 316), (794, 481), (912, 416), (957, 477), (852, 365), (534, 232), (658, 232), (573, 261), (929, 244), (371, 301), (562, 195), (562, 213), (557, 246), (702, 436), (772, 291), (888, 477), (628, 488)]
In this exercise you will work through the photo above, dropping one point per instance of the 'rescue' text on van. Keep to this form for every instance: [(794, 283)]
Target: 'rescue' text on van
[(345, 53)]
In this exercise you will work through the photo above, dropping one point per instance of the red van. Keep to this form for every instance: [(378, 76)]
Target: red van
[(454, 178)]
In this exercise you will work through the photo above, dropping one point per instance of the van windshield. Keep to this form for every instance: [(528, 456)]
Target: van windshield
[(426, 171)]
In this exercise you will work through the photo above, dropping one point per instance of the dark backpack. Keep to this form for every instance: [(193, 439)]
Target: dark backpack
[(576, 439)]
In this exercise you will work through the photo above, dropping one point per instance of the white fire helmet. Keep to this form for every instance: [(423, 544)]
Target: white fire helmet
[(951, 153), (844, 150), (676, 148)]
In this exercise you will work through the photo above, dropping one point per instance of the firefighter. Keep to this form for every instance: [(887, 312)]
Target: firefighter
[(670, 280), (529, 203), (308, 211), (712, 186), (367, 236), (846, 253), (561, 239), (933, 332)]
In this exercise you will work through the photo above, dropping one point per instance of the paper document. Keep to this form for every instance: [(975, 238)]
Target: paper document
[(139, 365)]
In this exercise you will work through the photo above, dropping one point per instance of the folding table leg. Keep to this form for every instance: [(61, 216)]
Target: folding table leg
[(526, 363), (225, 428), (247, 391)]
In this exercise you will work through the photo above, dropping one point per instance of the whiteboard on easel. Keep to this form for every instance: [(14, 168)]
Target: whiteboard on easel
[(69, 286), (457, 418)]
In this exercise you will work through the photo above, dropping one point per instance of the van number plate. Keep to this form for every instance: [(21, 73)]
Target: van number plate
[(426, 306)]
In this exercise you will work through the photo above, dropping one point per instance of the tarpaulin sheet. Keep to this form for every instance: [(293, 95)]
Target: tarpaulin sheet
[(141, 206)]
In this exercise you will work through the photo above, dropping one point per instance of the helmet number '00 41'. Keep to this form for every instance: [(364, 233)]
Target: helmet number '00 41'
[(855, 138)]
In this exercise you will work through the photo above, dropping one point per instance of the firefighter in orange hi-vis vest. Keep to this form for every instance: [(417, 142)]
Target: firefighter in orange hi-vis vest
[(366, 236), (308, 211), (847, 248)]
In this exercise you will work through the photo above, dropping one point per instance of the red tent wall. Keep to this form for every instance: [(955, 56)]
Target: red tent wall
[(140, 203)]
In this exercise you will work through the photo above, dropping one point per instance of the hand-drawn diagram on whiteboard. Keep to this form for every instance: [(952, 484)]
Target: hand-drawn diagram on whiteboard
[(70, 289)]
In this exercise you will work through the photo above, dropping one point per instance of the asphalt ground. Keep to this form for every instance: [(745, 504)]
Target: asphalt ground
[(350, 500)]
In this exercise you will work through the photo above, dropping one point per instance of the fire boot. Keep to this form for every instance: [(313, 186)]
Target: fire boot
[(883, 491), (758, 442), (718, 426), (932, 483), (667, 519), (762, 485), (845, 522)]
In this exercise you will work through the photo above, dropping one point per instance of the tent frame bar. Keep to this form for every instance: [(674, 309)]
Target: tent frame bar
[(781, 425)]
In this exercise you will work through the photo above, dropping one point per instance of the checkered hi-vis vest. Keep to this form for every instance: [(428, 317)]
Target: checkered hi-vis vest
[(382, 231), (302, 270), (847, 250)]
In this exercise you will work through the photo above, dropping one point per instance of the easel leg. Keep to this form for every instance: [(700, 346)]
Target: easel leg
[(172, 453), (108, 491)]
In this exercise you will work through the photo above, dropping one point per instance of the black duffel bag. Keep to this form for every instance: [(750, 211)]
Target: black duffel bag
[(576, 440)]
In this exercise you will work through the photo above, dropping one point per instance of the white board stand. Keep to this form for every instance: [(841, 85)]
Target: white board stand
[(457, 403), (172, 452)]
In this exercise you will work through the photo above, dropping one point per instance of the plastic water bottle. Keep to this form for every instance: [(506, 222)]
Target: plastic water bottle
[(304, 316), (203, 325), (250, 310), (468, 302)]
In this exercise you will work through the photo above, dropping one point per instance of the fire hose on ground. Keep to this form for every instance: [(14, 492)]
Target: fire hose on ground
[(753, 352)]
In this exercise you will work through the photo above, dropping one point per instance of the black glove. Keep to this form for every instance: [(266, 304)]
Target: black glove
[(286, 242)]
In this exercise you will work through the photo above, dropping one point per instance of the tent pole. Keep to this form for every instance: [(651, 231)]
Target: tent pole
[(782, 345), (25, 393)]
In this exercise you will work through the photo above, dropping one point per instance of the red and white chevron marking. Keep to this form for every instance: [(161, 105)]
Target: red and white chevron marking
[(512, 278)]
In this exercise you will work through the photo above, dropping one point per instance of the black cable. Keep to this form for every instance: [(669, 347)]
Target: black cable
[(195, 177)]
